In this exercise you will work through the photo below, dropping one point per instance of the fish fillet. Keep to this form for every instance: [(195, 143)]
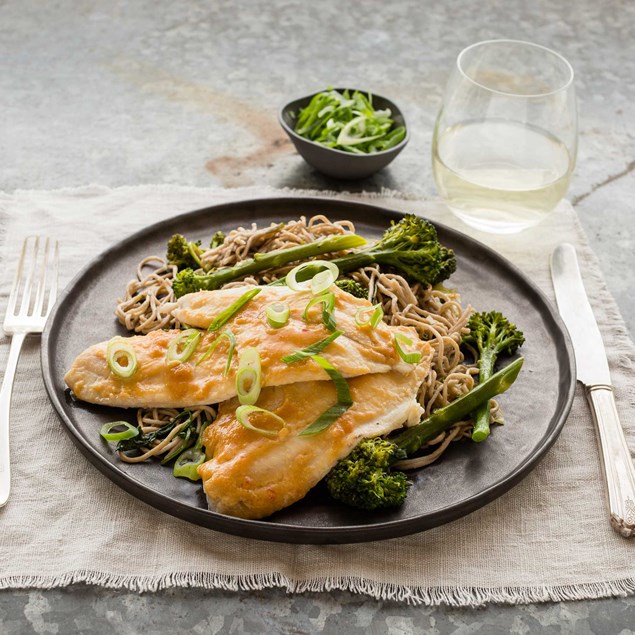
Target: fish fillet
[(252, 476), (358, 351)]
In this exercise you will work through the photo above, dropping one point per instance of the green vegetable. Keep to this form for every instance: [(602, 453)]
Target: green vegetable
[(189, 281), (217, 240), (242, 416), (249, 376), (352, 287), (413, 357), (348, 122), (344, 400), (146, 440), (371, 316), (277, 314), (212, 347), (409, 247), (224, 316), (319, 282), (187, 463), (183, 253), (182, 347), (311, 349), (128, 431), (364, 479), (121, 358), (492, 334), (327, 300)]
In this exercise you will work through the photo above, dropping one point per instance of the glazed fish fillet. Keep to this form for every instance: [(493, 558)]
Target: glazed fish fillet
[(252, 476), (156, 383)]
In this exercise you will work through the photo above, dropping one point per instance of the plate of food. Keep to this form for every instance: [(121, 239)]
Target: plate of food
[(308, 370)]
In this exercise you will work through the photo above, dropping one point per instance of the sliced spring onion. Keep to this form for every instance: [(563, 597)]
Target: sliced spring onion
[(121, 358), (187, 462), (249, 376), (224, 316), (409, 358), (277, 314), (129, 431), (311, 349), (369, 316), (212, 347), (344, 400), (319, 282), (327, 300), (242, 415), (183, 346)]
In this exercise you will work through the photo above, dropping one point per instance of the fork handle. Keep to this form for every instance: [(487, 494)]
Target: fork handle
[(5, 406)]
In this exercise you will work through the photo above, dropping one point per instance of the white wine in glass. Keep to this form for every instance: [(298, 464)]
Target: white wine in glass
[(505, 141)]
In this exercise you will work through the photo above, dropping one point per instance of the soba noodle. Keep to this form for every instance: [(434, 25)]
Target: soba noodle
[(436, 314)]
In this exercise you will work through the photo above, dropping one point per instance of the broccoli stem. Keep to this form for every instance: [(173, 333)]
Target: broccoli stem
[(481, 415), (414, 438), (278, 258)]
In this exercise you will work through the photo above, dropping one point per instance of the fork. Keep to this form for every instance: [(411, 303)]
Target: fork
[(28, 316)]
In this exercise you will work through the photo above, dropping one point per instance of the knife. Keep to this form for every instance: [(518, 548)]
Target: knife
[(593, 372)]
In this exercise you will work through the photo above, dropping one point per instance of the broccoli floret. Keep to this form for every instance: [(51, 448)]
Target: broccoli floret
[(184, 253), (491, 334), (364, 479), (352, 287), (186, 281), (410, 247), (217, 239)]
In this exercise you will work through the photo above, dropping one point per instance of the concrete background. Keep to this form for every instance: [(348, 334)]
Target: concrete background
[(187, 92)]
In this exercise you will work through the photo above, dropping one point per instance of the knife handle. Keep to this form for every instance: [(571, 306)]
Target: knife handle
[(616, 458)]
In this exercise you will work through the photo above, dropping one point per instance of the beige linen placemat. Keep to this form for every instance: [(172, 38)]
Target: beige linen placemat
[(547, 539)]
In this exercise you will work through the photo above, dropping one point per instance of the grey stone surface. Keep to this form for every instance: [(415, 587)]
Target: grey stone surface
[(116, 92)]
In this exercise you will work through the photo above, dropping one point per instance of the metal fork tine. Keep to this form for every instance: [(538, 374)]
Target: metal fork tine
[(15, 289), (26, 298), (41, 284), (54, 273)]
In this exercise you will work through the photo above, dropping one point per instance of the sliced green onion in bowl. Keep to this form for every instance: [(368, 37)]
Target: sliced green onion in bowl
[(413, 357), (212, 347), (183, 346), (121, 358), (129, 431), (318, 283), (249, 376), (224, 316), (277, 314), (327, 300), (243, 413), (369, 316)]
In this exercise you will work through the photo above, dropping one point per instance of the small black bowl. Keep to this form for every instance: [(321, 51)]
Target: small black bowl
[(338, 163)]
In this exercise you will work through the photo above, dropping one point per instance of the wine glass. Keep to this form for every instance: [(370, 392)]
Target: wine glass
[(505, 140)]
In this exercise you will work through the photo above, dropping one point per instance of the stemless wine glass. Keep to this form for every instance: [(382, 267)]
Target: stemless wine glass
[(505, 140)]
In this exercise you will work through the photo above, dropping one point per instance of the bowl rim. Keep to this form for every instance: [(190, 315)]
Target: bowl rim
[(310, 96)]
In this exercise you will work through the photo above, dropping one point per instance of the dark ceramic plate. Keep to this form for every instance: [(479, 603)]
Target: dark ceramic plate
[(469, 475)]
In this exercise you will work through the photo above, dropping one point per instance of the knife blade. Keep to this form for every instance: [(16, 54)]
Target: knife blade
[(593, 372)]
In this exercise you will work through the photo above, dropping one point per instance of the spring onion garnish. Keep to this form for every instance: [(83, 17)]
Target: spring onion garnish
[(249, 376), (409, 358), (128, 431), (212, 347), (327, 300), (319, 282), (369, 316), (182, 346), (311, 349), (344, 400), (187, 462), (242, 415), (277, 314), (224, 316), (121, 358)]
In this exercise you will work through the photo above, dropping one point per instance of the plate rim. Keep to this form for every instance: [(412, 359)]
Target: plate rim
[(284, 532)]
